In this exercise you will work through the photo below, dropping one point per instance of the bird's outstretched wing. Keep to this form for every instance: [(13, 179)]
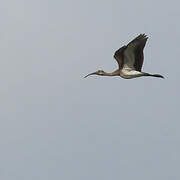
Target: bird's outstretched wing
[(133, 55), (119, 56)]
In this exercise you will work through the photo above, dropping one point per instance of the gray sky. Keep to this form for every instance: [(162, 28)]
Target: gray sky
[(56, 125)]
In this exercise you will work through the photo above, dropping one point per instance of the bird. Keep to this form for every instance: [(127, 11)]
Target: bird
[(130, 59)]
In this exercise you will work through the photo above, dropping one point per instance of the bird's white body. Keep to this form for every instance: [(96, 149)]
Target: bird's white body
[(127, 73)]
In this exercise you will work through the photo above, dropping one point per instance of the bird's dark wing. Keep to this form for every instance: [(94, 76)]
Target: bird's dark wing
[(133, 55), (119, 56)]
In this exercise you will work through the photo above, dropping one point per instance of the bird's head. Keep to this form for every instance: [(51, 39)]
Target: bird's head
[(99, 72)]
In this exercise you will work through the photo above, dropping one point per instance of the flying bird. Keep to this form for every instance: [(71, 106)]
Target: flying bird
[(130, 60)]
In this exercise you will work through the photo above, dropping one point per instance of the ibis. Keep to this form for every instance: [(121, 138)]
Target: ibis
[(130, 60)]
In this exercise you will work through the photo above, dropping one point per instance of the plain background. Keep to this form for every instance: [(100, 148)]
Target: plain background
[(56, 125)]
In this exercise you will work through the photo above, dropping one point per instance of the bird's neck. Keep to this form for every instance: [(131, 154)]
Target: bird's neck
[(114, 73)]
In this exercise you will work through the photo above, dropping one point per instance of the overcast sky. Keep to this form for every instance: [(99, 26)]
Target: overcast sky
[(55, 125)]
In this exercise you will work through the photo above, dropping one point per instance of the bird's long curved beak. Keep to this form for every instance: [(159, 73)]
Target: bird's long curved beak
[(90, 74)]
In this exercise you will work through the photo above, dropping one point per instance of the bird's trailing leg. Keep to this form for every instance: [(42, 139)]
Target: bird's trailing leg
[(154, 75)]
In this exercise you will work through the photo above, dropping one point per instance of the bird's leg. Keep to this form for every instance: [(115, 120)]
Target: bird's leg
[(153, 75)]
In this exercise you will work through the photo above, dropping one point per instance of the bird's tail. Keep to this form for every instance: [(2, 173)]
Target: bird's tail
[(154, 75)]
